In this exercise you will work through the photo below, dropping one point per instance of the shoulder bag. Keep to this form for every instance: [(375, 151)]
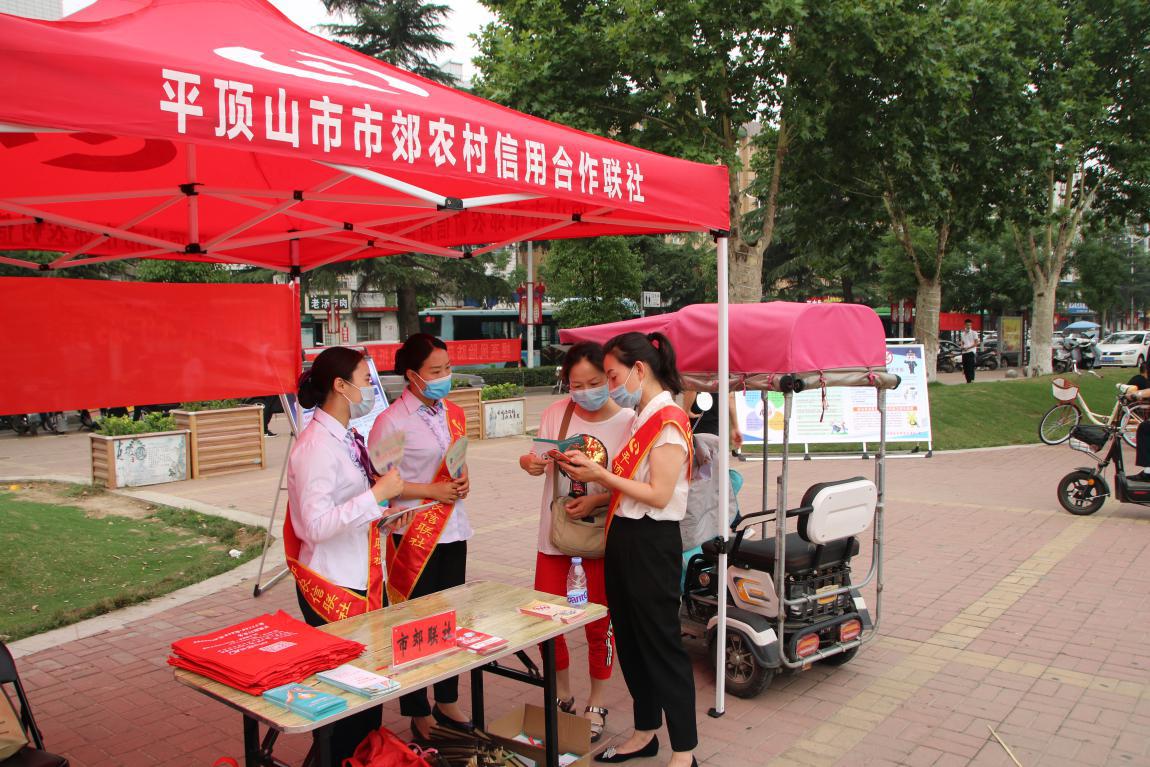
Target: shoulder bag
[(585, 537)]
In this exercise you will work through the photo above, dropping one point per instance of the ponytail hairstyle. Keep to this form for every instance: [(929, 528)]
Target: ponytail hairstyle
[(584, 350), (415, 351), (332, 364), (653, 350)]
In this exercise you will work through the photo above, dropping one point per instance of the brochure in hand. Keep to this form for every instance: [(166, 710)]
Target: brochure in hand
[(456, 457), (306, 701), (541, 447), (358, 680), (387, 453)]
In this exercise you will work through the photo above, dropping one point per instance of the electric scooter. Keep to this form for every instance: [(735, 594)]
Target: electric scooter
[(1084, 490)]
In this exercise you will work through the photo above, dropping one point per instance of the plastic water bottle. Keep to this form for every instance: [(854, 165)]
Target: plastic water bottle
[(577, 583)]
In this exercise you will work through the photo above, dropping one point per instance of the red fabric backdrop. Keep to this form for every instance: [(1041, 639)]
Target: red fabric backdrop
[(71, 344)]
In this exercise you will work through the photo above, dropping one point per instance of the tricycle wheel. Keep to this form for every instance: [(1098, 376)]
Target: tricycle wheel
[(842, 658), (1080, 493), (746, 676)]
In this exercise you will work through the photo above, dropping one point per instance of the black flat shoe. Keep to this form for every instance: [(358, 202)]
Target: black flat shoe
[(445, 721), (614, 756), (418, 738)]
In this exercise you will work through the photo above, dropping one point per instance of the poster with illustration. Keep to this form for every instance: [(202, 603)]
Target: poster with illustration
[(844, 414)]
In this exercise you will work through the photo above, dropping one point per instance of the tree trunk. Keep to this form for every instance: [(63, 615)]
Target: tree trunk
[(848, 287), (746, 273), (927, 304), (407, 303), (1042, 324)]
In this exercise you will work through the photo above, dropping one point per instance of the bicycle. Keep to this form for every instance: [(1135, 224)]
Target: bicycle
[(1055, 427)]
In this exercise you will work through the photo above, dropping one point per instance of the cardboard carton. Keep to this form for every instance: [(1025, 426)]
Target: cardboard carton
[(574, 734)]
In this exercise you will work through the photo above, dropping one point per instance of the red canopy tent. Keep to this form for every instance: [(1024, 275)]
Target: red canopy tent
[(206, 131), (201, 130)]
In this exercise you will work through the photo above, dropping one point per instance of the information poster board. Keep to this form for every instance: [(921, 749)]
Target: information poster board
[(151, 460), (504, 418), (845, 414), (362, 425)]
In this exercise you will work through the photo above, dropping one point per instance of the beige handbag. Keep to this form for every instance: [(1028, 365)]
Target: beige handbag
[(585, 537)]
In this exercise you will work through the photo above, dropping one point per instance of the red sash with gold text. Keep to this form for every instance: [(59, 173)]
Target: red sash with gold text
[(627, 462), (405, 563), (332, 602)]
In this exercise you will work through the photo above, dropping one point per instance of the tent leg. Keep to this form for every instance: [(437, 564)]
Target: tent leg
[(262, 587), (724, 477)]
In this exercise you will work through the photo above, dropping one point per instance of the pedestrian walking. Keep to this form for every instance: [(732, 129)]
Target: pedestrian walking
[(968, 341)]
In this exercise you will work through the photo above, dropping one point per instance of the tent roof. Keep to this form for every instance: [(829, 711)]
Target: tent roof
[(217, 131), (767, 341)]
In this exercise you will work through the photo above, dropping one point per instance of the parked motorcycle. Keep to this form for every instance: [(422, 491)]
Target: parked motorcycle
[(1076, 353), (1084, 490)]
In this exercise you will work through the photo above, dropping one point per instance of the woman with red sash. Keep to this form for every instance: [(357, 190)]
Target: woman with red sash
[(331, 532), (643, 564), (589, 411), (430, 554)]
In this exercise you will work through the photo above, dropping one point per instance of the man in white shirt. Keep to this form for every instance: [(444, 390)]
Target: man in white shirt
[(968, 341)]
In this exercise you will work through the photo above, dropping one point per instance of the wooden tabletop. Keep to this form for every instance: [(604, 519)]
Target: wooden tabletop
[(482, 605)]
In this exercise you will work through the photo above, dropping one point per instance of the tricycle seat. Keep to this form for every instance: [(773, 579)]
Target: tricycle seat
[(800, 554)]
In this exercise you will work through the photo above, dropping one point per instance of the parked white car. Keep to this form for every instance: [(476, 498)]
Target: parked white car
[(1127, 348)]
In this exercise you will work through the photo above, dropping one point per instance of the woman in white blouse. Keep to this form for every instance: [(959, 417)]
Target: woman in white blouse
[(643, 563), (430, 554), (331, 533)]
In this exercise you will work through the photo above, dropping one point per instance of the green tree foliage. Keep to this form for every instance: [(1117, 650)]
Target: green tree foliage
[(597, 280), (405, 33), (155, 270), (896, 111), (1111, 271), (682, 270), (680, 77), (1080, 142)]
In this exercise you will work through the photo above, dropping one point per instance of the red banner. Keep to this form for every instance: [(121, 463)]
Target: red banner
[(92, 343), (482, 352)]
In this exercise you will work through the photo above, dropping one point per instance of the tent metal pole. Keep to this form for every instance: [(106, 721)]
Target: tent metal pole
[(193, 198), (388, 182), (724, 477), (262, 587), (531, 305)]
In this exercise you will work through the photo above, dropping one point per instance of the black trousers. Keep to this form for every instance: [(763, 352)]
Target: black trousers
[(447, 567), (1142, 445), (968, 365), (643, 567), (346, 734)]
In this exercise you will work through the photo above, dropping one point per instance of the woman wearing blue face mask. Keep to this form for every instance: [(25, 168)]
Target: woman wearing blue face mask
[(430, 554), (589, 411)]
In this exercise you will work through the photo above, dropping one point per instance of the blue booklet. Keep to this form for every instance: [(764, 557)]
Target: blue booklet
[(306, 701)]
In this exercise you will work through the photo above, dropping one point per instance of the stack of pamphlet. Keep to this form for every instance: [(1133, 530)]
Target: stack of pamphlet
[(263, 653), (360, 681), (306, 701)]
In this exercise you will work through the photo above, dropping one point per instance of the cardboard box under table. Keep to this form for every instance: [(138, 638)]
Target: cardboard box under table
[(482, 605), (574, 734)]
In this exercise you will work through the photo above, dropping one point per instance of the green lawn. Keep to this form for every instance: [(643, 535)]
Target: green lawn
[(63, 565), (994, 413)]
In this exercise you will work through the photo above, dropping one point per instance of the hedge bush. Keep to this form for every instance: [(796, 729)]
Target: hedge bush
[(543, 376), (502, 391), (119, 426)]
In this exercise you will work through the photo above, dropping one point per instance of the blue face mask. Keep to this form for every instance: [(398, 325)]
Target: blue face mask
[(437, 389), (624, 398), (591, 399)]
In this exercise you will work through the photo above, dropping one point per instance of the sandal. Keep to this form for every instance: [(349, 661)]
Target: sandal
[(566, 706), (597, 727)]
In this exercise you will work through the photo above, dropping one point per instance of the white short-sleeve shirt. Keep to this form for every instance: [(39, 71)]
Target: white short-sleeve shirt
[(613, 433), (332, 506), (423, 451), (676, 508)]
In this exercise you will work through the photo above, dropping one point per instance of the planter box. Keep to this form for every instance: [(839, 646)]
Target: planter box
[(134, 460), (224, 441), (504, 417), (470, 400)]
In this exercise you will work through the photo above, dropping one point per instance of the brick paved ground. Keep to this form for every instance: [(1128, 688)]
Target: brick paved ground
[(999, 610)]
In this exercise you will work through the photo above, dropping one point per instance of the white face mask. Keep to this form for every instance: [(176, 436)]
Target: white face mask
[(366, 402)]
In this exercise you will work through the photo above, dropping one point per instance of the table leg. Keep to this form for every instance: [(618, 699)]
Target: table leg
[(550, 705), (477, 698), (252, 757), (323, 745)]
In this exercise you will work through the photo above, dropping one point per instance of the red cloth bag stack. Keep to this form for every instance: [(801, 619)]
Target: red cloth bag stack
[(262, 653)]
